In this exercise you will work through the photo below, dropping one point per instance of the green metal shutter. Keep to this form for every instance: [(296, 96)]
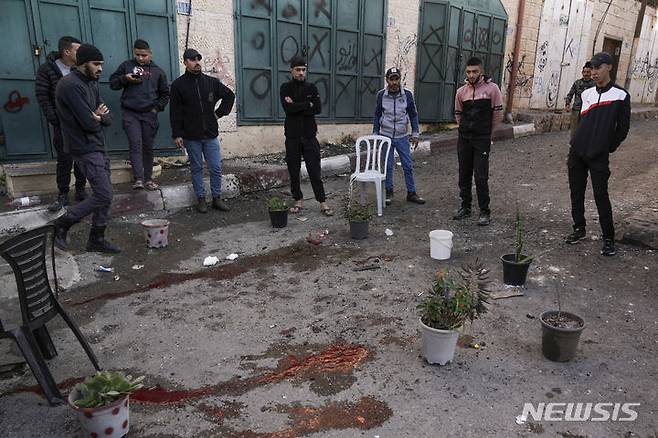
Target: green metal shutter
[(343, 42)]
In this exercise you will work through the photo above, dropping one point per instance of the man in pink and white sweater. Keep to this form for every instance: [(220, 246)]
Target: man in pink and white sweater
[(478, 109)]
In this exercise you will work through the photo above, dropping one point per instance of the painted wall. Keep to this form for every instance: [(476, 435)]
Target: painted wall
[(644, 68)]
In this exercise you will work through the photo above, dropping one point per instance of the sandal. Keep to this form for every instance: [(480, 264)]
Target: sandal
[(151, 185), (138, 185), (327, 212), (296, 208)]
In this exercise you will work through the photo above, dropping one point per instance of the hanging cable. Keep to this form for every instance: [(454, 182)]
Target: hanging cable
[(598, 29)]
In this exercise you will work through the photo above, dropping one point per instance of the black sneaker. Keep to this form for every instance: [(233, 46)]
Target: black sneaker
[(463, 213), (413, 197), (608, 247), (80, 195), (220, 205), (577, 235), (202, 205), (61, 202), (484, 219), (389, 196)]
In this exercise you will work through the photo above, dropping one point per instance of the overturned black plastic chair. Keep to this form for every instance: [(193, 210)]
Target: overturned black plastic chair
[(26, 254)]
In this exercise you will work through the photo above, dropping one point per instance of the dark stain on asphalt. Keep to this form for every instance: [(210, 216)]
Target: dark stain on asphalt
[(302, 256)]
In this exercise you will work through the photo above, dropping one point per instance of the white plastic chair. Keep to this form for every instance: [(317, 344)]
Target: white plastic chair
[(375, 166)]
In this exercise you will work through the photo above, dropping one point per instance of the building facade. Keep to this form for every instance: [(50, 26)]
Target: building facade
[(348, 44)]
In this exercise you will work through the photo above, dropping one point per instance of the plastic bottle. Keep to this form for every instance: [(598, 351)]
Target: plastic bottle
[(25, 201)]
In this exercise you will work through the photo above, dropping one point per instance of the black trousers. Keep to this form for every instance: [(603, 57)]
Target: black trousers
[(96, 168), (599, 171), (309, 148), (141, 129), (64, 165), (473, 157)]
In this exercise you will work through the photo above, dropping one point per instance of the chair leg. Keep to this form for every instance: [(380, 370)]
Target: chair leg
[(45, 343), (378, 188), (28, 346), (383, 184), (363, 193), (78, 334)]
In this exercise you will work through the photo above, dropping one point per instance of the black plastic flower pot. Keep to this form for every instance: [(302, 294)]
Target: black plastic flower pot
[(359, 230), (279, 219), (559, 338), (514, 274)]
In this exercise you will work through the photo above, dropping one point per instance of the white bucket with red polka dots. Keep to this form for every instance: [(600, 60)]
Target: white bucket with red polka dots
[(156, 232), (109, 421)]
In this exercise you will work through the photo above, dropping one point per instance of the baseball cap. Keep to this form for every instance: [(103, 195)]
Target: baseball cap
[(393, 71), (598, 59), (191, 54)]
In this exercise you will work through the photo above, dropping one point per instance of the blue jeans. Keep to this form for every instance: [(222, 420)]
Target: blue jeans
[(404, 151), (197, 150)]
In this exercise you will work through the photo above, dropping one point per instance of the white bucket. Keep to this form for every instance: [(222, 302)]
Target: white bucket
[(440, 244), (156, 232)]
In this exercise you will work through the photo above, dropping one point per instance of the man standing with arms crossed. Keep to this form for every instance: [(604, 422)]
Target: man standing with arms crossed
[(145, 94), (604, 123), (58, 65), (575, 92), (301, 102), (194, 125), (394, 112), (478, 109), (83, 115)]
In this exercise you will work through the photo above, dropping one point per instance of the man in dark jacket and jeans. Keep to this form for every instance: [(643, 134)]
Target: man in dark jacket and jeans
[(194, 125), (301, 102), (58, 65), (604, 122), (83, 114), (145, 94)]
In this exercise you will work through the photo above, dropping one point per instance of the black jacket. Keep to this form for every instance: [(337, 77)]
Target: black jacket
[(77, 98), (47, 77), (192, 112), (300, 114), (604, 121), (151, 93)]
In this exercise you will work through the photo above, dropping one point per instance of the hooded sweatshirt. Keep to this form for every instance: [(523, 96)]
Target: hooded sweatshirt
[(151, 93), (393, 114), (478, 108)]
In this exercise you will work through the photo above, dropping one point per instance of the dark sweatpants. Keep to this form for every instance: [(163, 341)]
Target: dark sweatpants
[(140, 129), (473, 155), (599, 170), (309, 148), (64, 165), (96, 168)]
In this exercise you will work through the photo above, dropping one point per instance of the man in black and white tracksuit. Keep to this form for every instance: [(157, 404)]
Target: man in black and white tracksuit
[(604, 123)]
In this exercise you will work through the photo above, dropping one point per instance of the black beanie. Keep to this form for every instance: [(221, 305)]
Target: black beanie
[(296, 61), (87, 53)]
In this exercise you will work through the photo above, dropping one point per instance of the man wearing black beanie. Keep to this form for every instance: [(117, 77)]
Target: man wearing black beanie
[(83, 114), (301, 102)]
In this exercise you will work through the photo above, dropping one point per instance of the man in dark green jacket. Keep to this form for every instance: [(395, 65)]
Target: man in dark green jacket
[(574, 93)]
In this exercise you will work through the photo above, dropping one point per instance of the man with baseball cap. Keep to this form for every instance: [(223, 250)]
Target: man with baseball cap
[(300, 100), (194, 125), (604, 123), (83, 114), (394, 111)]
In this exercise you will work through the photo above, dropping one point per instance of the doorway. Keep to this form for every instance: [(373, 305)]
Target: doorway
[(613, 48)]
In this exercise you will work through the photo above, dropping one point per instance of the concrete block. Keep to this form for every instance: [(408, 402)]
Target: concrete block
[(182, 195), (524, 130)]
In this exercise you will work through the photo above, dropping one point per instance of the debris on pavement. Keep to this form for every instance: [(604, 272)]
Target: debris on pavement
[(210, 261), (521, 419), (232, 256), (530, 316), (316, 238), (103, 269), (507, 292), (117, 278), (302, 218), (137, 267), (388, 232), (367, 268)]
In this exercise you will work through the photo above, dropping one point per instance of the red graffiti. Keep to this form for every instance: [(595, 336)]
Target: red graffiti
[(16, 102)]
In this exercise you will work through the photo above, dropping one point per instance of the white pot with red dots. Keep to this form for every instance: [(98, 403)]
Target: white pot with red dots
[(109, 421), (156, 232)]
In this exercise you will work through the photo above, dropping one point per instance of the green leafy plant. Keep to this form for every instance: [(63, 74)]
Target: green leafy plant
[(104, 388), (355, 212), (276, 204), (455, 299)]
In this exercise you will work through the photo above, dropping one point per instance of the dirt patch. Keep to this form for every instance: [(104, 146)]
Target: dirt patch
[(302, 257), (563, 322)]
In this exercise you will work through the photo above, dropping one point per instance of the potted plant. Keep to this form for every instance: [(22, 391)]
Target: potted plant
[(451, 302), (101, 402), (278, 212), (560, 332), (358, 217), (516, 265)]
